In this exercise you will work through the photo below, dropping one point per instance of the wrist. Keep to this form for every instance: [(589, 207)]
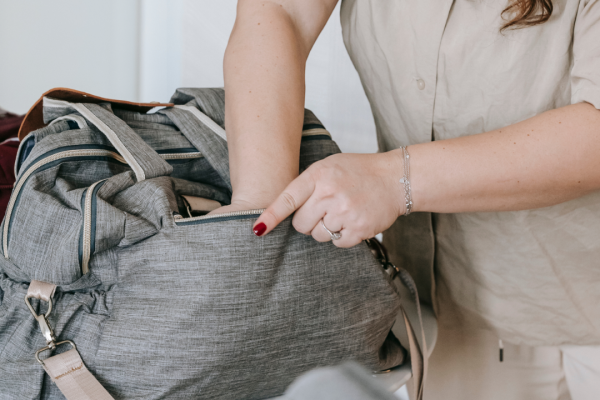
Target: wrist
[(255, 199), (260, 193), (260, 181)]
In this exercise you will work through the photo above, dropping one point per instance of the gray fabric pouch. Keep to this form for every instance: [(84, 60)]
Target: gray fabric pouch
[(161, 305)]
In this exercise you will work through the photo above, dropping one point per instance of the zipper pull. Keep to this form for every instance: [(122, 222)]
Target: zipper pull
[(501, 348)]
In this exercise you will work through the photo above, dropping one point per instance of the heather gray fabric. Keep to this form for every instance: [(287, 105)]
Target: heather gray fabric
[(174, 307)]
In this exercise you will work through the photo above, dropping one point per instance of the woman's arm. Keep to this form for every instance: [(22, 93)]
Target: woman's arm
[(264, 85), (542, 161)]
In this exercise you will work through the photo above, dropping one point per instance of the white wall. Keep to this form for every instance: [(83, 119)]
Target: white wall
[(335, 94), (333, 89), (84, 44), (161, 44), (141, 50)]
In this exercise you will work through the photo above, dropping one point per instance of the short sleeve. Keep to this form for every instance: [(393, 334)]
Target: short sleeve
[(585, 75)]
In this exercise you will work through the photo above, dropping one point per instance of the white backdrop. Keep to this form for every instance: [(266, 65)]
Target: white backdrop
[(142, 50), (83, 44)]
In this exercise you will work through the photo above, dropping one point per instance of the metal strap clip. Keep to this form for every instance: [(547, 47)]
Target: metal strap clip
[(54, 345), (380, 254), (44, 292), (42, 320)]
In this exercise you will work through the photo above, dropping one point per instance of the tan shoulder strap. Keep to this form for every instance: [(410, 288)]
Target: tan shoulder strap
[(74, 380), (67, 369), (418, 352)]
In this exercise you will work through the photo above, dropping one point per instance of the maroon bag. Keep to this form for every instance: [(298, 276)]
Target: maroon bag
[(9, 127)]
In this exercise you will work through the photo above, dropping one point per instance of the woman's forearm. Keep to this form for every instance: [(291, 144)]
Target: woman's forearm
[(545, 160), (264, 85), (542, 161)]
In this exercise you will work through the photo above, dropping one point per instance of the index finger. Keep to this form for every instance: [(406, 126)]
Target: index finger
[(291, 199)]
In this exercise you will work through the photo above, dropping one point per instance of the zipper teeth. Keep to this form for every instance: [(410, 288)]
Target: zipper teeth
[(33, 168), (179, 218), (180, 156), (87, 229)]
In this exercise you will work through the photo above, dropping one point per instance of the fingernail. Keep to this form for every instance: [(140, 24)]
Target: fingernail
[(260, 229)]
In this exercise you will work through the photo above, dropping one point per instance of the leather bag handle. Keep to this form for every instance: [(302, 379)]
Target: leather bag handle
[(34, 119)]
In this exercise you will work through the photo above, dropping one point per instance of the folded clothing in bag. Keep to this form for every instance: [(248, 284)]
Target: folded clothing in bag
[(129, 287)]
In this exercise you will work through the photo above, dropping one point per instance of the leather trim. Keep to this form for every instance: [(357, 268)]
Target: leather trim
[(34, 118), (41, 290)]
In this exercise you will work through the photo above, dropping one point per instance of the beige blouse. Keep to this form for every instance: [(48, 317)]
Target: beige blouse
[(439, 69)]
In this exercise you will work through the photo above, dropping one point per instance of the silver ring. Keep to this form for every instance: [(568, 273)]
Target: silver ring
[(332, 235)]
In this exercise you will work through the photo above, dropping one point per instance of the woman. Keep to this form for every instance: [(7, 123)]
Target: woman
[(498, 105)]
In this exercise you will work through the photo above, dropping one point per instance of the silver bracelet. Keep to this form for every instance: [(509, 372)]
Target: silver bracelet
[(406, 181)]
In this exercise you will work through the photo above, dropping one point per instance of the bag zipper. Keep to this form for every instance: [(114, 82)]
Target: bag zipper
[(38, 165), (171, 154), (179, 220), (87, 242), (180, 156)]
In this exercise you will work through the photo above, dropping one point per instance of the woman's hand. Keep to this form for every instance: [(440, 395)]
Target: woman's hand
[(358, 195)]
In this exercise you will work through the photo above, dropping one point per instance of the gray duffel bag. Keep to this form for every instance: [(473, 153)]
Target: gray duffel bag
[(113, 278)]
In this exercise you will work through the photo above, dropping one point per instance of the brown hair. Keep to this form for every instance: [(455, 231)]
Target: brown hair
[(526, 13)]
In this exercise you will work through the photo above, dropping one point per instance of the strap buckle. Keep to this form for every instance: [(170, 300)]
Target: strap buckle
[(52, 347), (380, 254)]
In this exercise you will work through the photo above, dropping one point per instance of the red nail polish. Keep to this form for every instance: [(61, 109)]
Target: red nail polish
[(260, 229)]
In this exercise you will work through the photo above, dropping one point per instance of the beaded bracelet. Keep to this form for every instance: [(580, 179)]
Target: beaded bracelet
[(406, 182)]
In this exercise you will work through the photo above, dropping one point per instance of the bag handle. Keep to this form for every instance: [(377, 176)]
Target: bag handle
[(143, 160), (34, 119), (205, 135)]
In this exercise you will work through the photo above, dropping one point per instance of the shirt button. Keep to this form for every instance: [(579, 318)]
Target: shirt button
[(420, 84)]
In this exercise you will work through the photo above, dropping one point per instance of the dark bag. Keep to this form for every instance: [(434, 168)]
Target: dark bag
[(9, 127)]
